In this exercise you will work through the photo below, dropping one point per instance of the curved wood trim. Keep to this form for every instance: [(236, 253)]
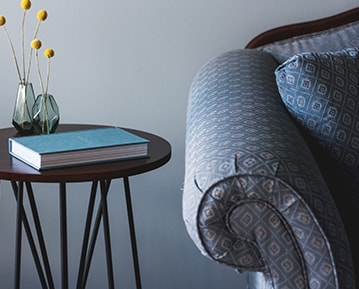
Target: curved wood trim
[(287, 31)]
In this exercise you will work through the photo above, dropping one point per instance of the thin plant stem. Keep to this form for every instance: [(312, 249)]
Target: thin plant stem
[(28, 68), (47, 76), (45, 122), (30, 53), (23, 43), (13, 53), (37, 29), (24, 107), (39, 72), (44, 95)]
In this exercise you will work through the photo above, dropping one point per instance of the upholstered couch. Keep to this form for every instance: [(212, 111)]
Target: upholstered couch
[(272, 156)]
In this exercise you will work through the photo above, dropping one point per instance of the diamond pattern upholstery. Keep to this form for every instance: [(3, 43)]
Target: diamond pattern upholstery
[(321, 90), (254, 198), (345, 36)]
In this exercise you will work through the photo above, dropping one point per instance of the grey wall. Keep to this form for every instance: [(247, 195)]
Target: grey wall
[(130, 63)]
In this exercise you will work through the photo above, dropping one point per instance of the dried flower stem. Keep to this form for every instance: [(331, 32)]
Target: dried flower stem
[(13, 53), (28, 68), (30, 53), (37, 29), (47, 76), (39, 73), (45, 115), (23, 43)]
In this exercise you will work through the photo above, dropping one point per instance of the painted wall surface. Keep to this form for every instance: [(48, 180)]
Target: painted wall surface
[(130, 63)]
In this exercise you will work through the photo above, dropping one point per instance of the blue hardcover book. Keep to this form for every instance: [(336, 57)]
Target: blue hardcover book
[(78, 147)]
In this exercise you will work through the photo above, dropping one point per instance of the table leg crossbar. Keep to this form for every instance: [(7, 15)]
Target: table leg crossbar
[(89, 237), (131, 224), (88, 244), (44, 271)]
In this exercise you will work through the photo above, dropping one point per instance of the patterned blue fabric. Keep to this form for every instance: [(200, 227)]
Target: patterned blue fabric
[(332, 40), (321, 91), (254, 198)]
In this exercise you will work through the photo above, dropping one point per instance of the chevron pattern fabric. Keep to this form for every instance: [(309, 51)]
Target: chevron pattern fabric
[(254, 198)]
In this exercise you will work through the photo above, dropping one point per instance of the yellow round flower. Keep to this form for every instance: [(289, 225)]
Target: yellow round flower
[(36, 44), (49, 53), (25, 4), (2, 20), (41, 15)]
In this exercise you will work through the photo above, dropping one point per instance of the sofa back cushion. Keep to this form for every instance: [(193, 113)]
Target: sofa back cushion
[(321, 91), (332, 40)]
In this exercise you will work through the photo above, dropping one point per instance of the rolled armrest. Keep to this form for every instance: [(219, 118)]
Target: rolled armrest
[(254, 198)]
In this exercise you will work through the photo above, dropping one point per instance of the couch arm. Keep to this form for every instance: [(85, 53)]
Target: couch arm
[(254, 198)]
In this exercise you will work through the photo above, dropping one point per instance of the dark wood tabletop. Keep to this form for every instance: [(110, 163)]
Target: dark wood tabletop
[(15, 170)]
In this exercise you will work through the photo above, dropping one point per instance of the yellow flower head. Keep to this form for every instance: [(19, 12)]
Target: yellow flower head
[(2, 20), (49, 52), (25, 4), (36, 44), (41, 15)]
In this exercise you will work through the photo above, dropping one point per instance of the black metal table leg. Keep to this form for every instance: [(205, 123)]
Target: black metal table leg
[(40, 236), (91, 246), (23, 220), (81, 280), (19, 192), (63, 234), (132, 232), (88, 245), (106, 228)]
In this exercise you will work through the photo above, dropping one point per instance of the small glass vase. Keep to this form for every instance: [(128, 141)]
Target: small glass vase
[(46, 114), (22, 115)]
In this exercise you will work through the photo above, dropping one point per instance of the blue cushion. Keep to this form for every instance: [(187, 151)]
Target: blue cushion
[(334, 39), (321, 91)]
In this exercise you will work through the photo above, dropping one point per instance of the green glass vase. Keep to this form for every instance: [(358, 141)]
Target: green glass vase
[(46, 114), (22, 115)]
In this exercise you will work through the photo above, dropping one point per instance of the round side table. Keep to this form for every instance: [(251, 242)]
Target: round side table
[(100, 175)]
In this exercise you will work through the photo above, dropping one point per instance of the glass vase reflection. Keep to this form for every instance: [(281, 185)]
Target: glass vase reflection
[(46, 115), (22, 115)]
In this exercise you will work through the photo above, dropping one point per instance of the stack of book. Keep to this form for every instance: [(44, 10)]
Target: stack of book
[(81, 147)]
